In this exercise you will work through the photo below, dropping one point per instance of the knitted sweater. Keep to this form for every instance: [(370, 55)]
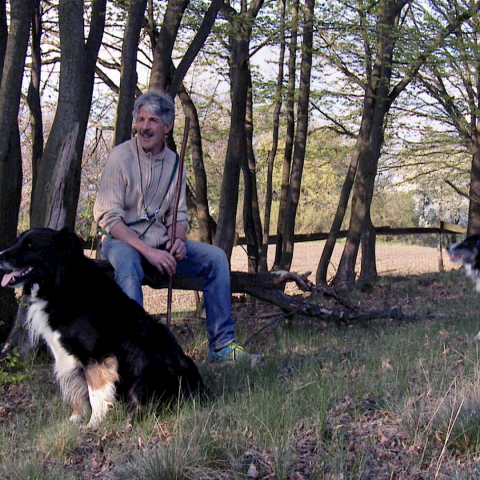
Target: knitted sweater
[(133, 180)]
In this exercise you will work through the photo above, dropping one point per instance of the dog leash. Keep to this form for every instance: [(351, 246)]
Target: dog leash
[(175, 211)]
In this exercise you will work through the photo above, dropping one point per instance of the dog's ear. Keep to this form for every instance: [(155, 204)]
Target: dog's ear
[(68, 243)]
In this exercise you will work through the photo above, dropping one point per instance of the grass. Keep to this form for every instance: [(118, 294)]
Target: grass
[(377, 399)]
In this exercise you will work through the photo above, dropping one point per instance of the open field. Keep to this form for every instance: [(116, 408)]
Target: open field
[(395, 398)]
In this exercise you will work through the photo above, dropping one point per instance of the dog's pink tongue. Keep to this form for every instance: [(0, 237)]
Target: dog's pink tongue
[(7, 277)]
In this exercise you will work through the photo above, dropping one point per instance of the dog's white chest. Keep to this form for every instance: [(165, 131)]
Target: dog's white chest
[(38, 326)]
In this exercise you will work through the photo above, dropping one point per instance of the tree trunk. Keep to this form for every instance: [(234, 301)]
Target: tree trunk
[(252, 224), (201, 197), (376, 107), (3, 34), (21, 12), (322, 269), (237, 144), (33, 97), (195, 47), (87, 73), (369, 260), (290, 133), (77, 72), (300, 138), (239, 41), (161, 74), (128, 72), (474, 205), (275, 135)]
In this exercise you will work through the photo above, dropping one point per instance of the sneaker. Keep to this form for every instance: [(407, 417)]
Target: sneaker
[(233, 352)]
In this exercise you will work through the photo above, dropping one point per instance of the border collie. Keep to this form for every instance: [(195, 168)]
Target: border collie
[(104, 344), (467, 253)]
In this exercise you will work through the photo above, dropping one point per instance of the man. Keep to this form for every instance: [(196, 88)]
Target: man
[(134, 210)]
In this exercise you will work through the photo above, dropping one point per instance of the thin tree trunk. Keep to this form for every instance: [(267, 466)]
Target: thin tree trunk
[(300, 138), (128, 72), (474, 205), (275, 135), (239, 41), (3, 34), (33, 97), (290, 133), (369, 259), (237, 145), (326, 257), (21, 12), (251, 210), (378, 104), (201, 189), (195, 47), (77, 75), (161, 74)]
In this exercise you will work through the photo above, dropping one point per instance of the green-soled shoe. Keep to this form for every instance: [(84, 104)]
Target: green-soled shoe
[(233, 353)]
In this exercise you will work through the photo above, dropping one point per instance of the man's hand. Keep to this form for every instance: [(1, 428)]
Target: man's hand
[(162, 260), (178, 249)]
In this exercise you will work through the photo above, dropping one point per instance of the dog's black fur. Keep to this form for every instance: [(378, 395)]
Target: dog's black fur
[(104, 344), (467, 253)]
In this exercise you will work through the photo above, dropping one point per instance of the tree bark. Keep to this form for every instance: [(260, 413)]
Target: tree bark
[(161, 74), (275, 136), (77, 70), (21, 12), (290, 133), (474, 205), (128, 72), (33, 96), (321, 275), (201, 197), (3, 34), (252, 224), (195, 47), (369, 260), (300, 138), (239, 41), (376, 107)]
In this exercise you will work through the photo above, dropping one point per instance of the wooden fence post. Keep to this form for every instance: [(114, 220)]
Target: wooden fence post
[(441, 266)]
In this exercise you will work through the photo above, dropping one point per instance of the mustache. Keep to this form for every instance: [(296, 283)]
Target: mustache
[(146, 132)]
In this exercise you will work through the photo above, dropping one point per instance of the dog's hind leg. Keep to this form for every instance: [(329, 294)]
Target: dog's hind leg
[(101, 379), (70, 376)]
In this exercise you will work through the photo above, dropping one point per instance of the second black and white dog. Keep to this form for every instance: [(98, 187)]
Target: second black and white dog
[(104, 344), (467, 253)]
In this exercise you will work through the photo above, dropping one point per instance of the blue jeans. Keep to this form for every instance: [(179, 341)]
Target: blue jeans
[(202, 260)]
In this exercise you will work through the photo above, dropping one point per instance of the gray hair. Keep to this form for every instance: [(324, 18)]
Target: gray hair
[(159, 103)]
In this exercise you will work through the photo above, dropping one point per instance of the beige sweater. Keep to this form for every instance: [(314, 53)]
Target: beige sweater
[(132, 180)]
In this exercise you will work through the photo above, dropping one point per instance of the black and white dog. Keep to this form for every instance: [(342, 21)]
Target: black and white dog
[(104, 344), (467, 253)]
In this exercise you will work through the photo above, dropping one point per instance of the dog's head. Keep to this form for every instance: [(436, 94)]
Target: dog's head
[(38, 256), (466, 252)]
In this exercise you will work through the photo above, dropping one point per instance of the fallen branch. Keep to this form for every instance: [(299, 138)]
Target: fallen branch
[(268, 287)]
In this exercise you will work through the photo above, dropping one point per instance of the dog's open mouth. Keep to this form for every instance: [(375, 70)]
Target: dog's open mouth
[(16, 278), (461, 256), (455, 257)]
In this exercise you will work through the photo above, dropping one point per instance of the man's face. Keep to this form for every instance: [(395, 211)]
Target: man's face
[(151, 131)]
